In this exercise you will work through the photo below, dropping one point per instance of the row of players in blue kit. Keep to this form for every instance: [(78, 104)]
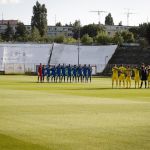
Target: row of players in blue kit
[(65, 73)]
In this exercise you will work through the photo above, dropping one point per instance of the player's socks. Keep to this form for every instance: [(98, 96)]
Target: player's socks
[(145, 84), (141, 84)]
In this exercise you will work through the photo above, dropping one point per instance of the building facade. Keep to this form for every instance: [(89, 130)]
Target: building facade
[(60, 30), (4, 23), (67, 31), (51, 31), (111, 30), (56, 30)]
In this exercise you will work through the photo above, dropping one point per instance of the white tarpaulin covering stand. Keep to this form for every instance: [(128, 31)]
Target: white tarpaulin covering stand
[(24, 57)]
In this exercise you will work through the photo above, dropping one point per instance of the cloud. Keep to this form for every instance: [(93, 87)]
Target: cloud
[(9, 1)]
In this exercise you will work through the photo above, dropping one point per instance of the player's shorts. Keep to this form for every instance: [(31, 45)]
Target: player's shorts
[(122, 77), (137, 78), (53, 75), (39, 73), (58, 75), (48, 75), (74, 75), (79, 75), (128, 79), (84, 75), (114, 77)]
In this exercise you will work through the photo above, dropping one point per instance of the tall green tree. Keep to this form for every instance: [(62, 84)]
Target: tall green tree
[(148, 33), (39, 18), (76, 29), (21, 33), (109, 20), (35, 35)]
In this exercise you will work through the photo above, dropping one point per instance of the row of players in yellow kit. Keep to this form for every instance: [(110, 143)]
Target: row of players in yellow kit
[(124, 74)]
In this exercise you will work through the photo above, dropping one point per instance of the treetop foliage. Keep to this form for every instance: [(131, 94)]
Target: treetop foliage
[(39, 18), (109, 20)]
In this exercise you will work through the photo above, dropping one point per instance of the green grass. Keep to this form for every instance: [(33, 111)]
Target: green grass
[(66, 116)]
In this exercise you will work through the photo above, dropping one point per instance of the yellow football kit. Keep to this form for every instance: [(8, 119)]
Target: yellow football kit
[(136, 76), (128, 77), (115, 73), (114, 76), (122, 75)]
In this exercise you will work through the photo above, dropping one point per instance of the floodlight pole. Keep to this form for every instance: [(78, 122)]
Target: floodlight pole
[(79, 45), (105, 60)]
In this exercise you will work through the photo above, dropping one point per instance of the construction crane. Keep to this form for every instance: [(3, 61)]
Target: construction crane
[(128, 13), (99, 12)]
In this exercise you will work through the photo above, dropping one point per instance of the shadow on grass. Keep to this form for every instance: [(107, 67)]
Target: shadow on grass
[(53, 82), (83, 88), (10, 143), (94, 89)]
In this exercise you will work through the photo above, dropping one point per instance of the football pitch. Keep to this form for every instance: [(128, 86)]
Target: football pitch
[(64, 116)]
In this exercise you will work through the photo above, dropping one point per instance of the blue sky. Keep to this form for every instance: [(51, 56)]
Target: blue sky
[(67, 11)]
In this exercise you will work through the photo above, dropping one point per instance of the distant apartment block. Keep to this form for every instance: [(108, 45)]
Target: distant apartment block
[(62, 30), (4, 23), (56, 30), (111, 30), (11, 22)]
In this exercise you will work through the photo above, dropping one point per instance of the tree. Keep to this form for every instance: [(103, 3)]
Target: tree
[(86, 39), (39, 18), (35, 35), (118, 39), (92, 30), (1, 38), (47, 39), (58, 24), (128, 37), (120, 23), (141, 32), (70, 40), (59, 39), (103, 38), (148, 33), (135, 31), (109, 20), (77, 23), (142, 29), (21, 33), (8, 34), (76, 29)]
